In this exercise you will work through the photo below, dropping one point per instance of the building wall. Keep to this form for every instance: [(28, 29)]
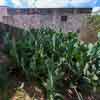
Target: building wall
[(3, 12), (52, 18), (75, 21)]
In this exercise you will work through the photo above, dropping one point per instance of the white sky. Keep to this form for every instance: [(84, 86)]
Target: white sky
[(51, 3)]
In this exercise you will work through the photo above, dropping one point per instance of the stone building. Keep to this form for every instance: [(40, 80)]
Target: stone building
[(66, 19)]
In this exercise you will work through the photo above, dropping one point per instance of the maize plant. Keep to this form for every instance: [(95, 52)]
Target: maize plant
[(56, 61)]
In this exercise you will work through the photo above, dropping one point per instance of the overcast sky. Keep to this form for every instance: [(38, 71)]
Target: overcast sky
[(51, 3)]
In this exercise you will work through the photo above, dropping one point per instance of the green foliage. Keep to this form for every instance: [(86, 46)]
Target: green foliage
[(4, 77), (94, 22), (55, 60)]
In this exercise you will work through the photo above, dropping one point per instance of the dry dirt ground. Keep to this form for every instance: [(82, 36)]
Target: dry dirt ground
[(23, 91)]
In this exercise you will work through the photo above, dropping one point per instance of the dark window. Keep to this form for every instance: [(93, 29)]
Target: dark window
[(63, 18), (78, 31)]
